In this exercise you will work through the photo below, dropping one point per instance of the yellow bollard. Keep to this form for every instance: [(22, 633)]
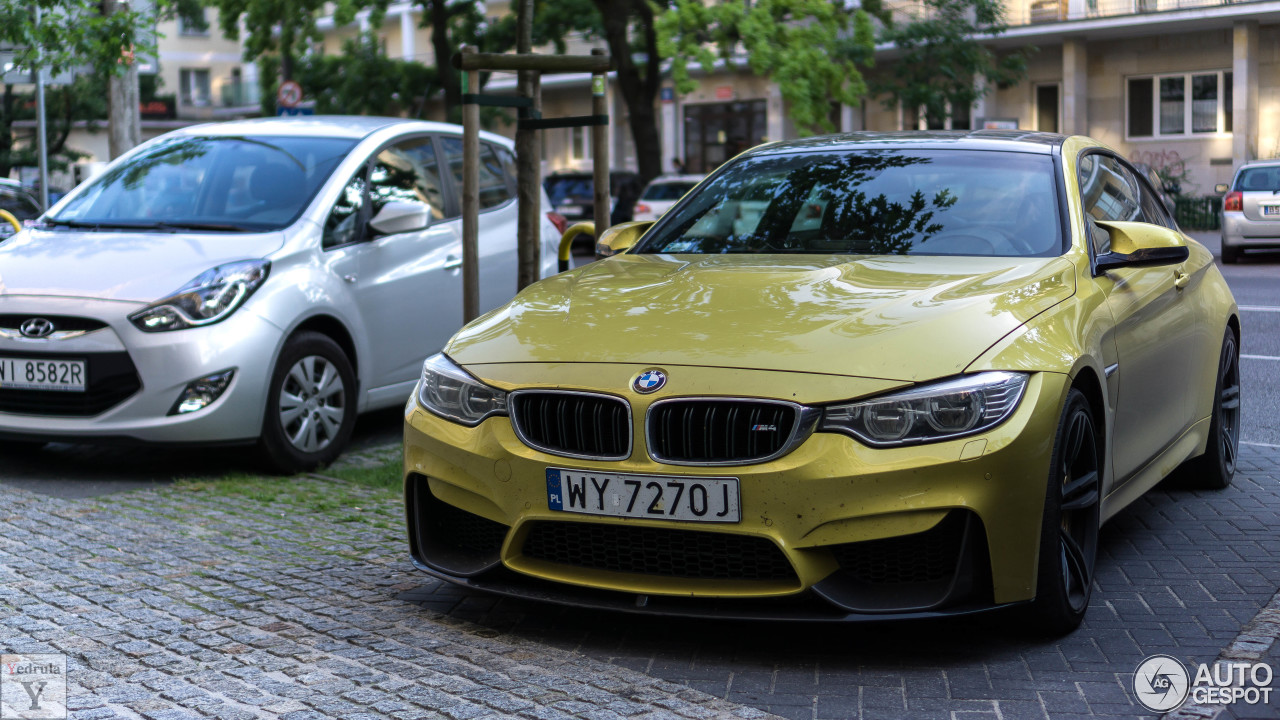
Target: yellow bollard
[(15, 222), (566, 240)]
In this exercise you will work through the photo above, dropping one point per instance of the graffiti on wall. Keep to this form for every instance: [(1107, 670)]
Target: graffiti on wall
[(1168, 164)]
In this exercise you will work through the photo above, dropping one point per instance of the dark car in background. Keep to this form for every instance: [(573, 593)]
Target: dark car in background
[(571, 194), (16, 199)]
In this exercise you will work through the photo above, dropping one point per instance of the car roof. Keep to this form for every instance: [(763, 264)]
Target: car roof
[(1007, 140), (1260, 163), (355, 127)]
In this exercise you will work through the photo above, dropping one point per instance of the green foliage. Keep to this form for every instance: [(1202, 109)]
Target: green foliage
[(285, 27), (805, 46), (364, 81), (940, 58), (74, 33), (65, 104)]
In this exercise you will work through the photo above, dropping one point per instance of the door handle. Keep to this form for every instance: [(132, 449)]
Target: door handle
[(452, 263), (350, 278), (1180, 279)]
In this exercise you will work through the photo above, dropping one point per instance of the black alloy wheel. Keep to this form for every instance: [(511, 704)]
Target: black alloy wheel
[(1069, 528), (1217, 466)]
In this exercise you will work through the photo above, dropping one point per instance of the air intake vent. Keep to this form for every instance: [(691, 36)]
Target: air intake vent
[(573, 424), (710, 431), (658, 551)]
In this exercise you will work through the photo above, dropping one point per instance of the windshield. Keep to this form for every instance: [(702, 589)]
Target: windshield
[(213, 183), (562, 188), (1259, 178), (879, 202), (667, 190)]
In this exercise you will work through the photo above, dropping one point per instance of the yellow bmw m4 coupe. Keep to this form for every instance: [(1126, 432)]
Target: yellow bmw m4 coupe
[(852, 377)]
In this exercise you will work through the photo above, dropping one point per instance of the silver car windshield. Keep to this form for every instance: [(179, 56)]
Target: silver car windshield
[(209, 183), (881, 202)]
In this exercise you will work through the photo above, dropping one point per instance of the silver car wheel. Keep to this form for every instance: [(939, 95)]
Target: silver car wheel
[(312, 404)]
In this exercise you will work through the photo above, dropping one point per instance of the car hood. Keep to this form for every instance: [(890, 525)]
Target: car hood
[(130, 266), (907, 318)]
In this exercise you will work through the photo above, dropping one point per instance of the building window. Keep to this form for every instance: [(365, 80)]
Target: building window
[(1048, 109), (579, 144), (193, 24), (194, 87), (1178, 105)]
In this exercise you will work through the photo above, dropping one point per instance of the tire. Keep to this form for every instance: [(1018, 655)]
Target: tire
[(1230, 253), (1217, 466), (1069, 527), (311, 405)]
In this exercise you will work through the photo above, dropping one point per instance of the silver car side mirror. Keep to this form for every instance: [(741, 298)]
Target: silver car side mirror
[(401, 216)]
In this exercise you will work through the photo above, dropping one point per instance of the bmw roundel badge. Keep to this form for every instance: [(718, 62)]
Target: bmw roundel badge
[(650, 381)]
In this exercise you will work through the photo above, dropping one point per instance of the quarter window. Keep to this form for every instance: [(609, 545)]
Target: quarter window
[(1179, 105), (345, 224)]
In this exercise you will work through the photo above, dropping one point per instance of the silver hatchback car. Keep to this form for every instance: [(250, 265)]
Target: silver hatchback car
[(249, 282), (1251, 209)]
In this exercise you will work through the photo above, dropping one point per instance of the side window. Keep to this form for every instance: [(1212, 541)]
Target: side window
[(1153, 209), (407, 172), (508, 160), (345, 224), (493, 180)]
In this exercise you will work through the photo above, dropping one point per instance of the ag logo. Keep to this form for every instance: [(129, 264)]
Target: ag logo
[(650, 381), (1161, 683)]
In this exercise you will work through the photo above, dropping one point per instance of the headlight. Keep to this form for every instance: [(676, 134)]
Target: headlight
[(450, 392), (211, 297), (930, 413)]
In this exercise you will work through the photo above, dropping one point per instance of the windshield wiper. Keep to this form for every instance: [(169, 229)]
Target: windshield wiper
[(161, 226), (224, 227)]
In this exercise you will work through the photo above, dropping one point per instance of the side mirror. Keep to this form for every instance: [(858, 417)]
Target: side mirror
[(620, 238), (401, 216), (1135, 244), (1221, 188)]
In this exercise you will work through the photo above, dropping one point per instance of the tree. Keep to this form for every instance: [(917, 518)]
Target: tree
[(630, 28), (363, 80), (81, 100), (284, 27), (941, 58), (62, 35), (805, 46)]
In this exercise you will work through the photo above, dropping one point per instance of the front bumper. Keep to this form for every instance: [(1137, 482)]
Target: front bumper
[(162, 364), (944, 528)]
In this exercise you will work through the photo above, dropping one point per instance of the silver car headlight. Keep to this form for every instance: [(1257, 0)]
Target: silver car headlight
[(208, 299), (452, 393), (930, 413)]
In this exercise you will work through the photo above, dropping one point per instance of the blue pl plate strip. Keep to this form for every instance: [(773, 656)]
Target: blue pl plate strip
[(553, 490)]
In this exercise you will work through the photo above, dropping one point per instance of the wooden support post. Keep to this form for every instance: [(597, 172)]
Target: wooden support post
[(470, 197), (600, 148), (528, 162)]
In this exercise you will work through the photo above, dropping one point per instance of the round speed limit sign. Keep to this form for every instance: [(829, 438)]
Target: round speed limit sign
[(289, 95)]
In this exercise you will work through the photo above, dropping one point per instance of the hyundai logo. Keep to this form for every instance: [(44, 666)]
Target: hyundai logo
[(650, 381), (36, 328)]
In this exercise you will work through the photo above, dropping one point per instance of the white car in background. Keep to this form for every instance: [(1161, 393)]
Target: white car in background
[(662, 193), (257, 282)]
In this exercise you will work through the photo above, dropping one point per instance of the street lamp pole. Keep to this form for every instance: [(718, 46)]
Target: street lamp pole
[(42, 150)]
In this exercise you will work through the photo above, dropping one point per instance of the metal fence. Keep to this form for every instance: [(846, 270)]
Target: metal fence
[(1198, 213)]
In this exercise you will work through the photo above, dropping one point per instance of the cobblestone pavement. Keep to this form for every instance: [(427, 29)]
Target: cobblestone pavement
[(1179, 573), (177, 602)]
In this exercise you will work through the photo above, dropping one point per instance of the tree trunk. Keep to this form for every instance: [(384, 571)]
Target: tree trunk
[(6, 132), (286, 52), (124, 119), (639, 90), (438, 11)]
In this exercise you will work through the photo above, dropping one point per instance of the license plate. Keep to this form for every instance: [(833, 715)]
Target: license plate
[(1271, 209), (570, 209), (24, 374), (657, 497)]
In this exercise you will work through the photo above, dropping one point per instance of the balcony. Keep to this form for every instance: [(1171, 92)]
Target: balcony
[(237, 93), (1037, 12)]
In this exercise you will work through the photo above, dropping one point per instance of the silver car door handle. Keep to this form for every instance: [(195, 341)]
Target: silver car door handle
[(350, 278), (452, 263)]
